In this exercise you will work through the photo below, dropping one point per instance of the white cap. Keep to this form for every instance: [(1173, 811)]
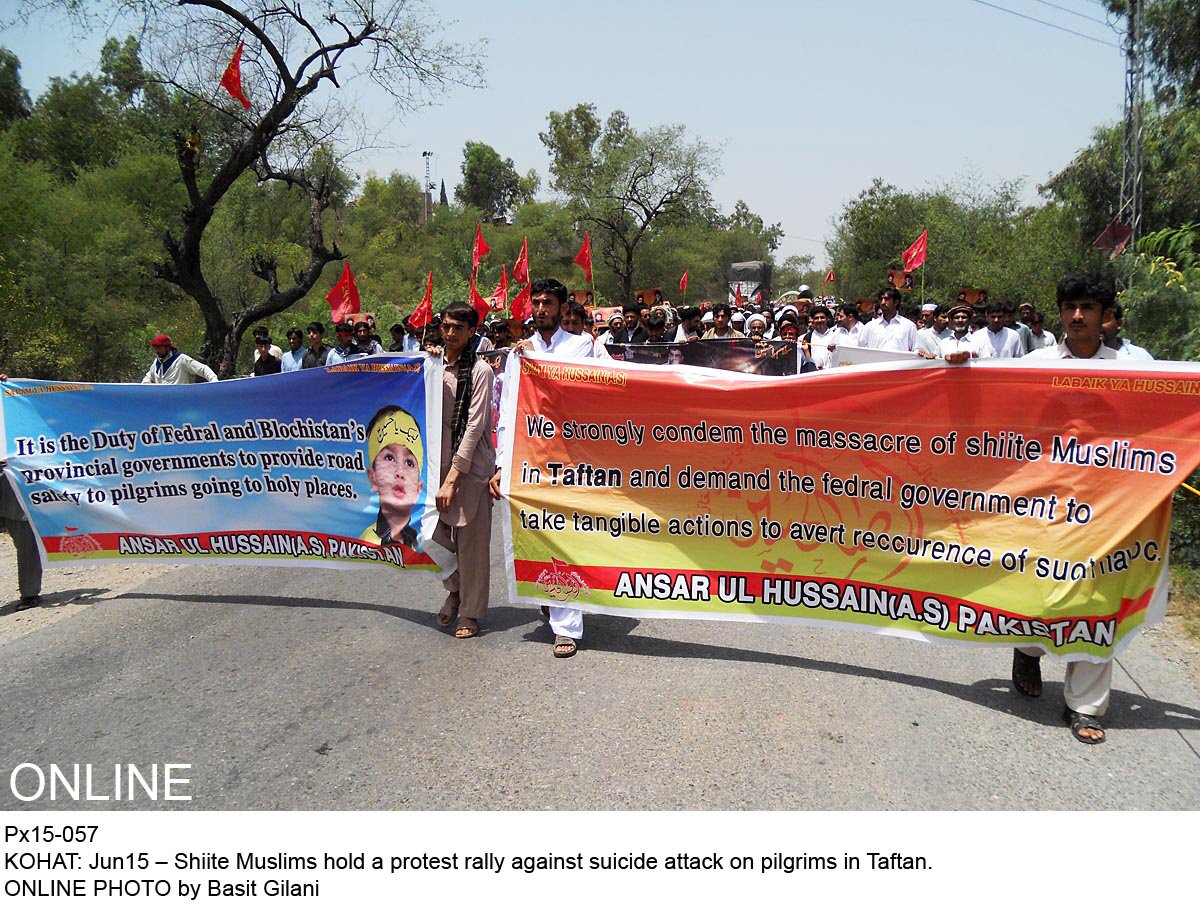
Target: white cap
[(803, 289), (928, 307), (707, 318), (737, 316), (756, 318)]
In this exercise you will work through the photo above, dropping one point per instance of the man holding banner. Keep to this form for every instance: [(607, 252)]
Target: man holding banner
[(548, 297), (1083, 305), (890, 330), (468, 461)]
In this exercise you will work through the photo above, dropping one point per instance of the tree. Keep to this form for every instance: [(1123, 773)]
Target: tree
[(293, 65), (623, 184), (1173, 36), (492, 183), (14, 99), (979, 236), (1090, 184)]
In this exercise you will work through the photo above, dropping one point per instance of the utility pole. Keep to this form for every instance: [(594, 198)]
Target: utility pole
[(426, 199), (1129, 210)]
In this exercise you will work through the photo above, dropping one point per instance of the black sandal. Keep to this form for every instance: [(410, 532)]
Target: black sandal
[(1077, 722), (1027, 670)]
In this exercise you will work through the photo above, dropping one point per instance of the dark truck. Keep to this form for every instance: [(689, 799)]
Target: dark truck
[(749, 277)]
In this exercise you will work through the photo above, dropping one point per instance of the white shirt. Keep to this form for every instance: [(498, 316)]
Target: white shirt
[(819, 348), (1129, 350), (681, 335), (562, 344), (953, 345), (181, 369), (930, 339), (843, 336), (1046, 340), (1062, 351), (338, 355), (1003, 343), (898, 334)]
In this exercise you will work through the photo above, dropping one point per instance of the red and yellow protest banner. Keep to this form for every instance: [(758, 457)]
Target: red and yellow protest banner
[(997, 503)]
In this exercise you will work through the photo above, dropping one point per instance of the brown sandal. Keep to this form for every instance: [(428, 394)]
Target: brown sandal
[(465, 631)]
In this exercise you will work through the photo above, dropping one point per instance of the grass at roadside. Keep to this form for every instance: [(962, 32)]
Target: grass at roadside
[(1185, 598)]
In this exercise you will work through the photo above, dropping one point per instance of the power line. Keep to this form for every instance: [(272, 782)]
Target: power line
[(1078, 34), (1073, 12)]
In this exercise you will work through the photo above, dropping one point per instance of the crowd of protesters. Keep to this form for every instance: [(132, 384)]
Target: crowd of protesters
[(810, 329)]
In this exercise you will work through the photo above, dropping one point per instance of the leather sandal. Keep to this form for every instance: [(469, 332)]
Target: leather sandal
[(569, 643), (1027, 674), (1078, 722), (449, 611)]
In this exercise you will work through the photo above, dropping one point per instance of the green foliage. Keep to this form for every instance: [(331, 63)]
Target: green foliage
[(79, 299), (1162, 314), (979, 235), (1090, 185), (1162, 298), (14, 99), (1173, 33), (492, 183), (624, 185)]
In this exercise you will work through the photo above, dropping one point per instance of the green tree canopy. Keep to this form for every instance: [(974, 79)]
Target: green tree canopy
[(14, 99), (491, 182), (623, 185)]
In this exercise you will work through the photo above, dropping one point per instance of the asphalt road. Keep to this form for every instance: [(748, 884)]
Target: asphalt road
[(316, 689)]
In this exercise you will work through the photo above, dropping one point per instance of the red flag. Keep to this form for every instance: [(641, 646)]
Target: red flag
[(479, 248), (478, 302), (421, 317), (520, 271), (1114, 238), (829, 277), (584, 257), (915, 255), (737, 296), (231, 81), (683, 282), (758, 297), (343, 297), (522, 305), (498, 300)]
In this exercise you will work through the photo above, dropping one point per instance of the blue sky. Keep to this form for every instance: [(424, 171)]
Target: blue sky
[(810, 101)]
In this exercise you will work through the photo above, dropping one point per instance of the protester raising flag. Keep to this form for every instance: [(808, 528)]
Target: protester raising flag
[(478, 249), (231, 80), (343, 297), (829, 277), (498, 300), (584, 257), (915, 255), (683, 282), (421, 317), (520, 270)]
